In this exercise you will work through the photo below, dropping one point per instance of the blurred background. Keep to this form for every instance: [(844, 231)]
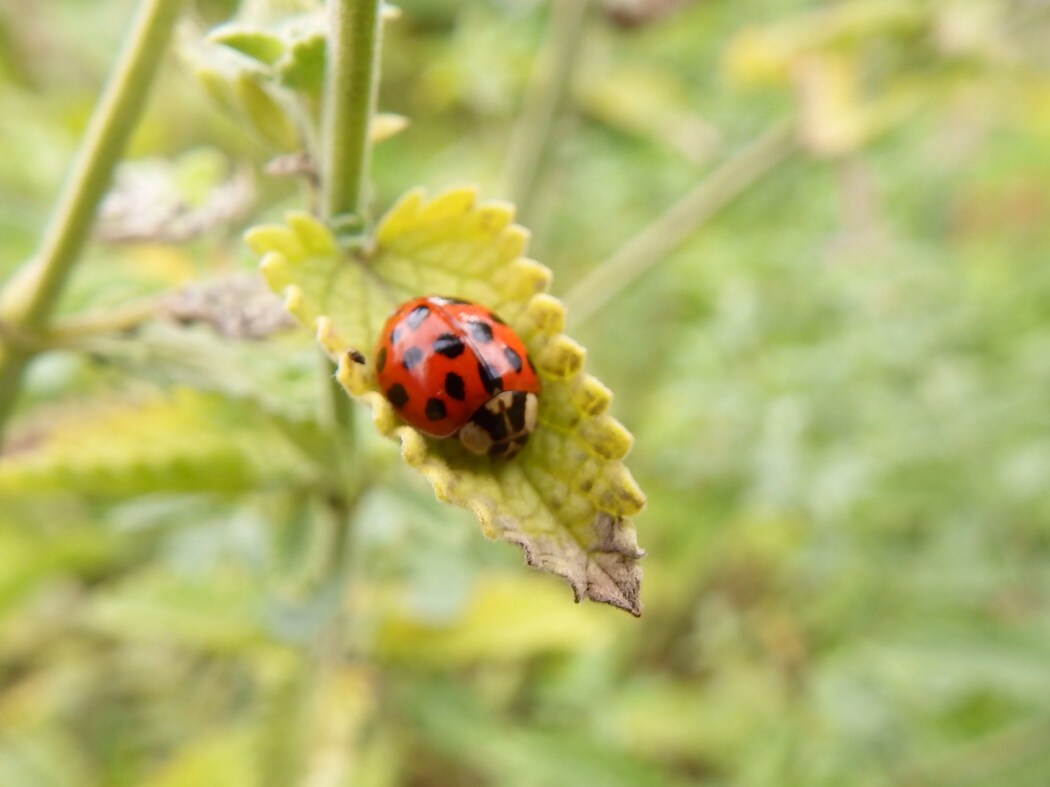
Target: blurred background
[(806, 243)]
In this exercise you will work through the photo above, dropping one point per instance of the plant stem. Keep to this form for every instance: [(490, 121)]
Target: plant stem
[(350, 97), (349, 103), (334, 411), (71, 331), (551, 79), (30, 297), (659, 238)]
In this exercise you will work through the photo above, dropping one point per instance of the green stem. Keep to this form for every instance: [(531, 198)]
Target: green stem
[(71, 331), (550, 81), (30, 297), (659, 238), (350, 97), (335, 412)]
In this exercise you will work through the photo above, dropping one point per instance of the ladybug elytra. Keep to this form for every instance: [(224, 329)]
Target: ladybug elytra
[(453, 368)]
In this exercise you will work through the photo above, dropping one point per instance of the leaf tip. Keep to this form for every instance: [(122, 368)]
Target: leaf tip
[(313, 235), (525, 278), (401, 214), (561, 357), (295, 304), (273, 237), (451, 204), (274, 270), (547, 314), (591, 396)]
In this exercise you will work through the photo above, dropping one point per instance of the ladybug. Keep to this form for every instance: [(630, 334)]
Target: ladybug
[(452, 367)]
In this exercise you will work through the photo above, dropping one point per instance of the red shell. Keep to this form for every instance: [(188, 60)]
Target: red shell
[(440, 359)]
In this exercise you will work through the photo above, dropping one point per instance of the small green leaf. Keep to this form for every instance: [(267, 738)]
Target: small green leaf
[(387, 124), (303, 65), (264, 112), (566, 498), (216, 84), (247, 90), (259, 45)]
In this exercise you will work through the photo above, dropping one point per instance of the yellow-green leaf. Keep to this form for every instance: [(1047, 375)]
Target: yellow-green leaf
[(385, 125), (303, 66), (264, 112), (260, 45), (566, 499), (187, 442)]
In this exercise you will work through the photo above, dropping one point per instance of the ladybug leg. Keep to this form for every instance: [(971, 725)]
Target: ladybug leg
[(474, 438)]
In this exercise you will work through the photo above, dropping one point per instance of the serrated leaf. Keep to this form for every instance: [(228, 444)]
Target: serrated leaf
[(188, 442), (566, 498)]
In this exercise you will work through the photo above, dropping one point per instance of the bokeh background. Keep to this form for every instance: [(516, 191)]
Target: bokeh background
[(837, 373)]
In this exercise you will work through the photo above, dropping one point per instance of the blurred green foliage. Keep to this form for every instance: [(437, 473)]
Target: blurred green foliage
[(838, 388)]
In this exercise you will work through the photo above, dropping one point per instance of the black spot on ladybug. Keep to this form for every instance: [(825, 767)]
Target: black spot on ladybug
[(381, 359), (397, 395), (415, 317), (495, 318), (516, 411), (454, 387), (512, 358), (492, 382), (435, 409), (492, 421), (395, 334), (411, 357), (480, 331), (449, 345)]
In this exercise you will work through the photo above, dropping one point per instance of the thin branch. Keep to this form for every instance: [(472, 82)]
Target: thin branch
[(551, 79), (69, 332), (659, 238), (30, 297)]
